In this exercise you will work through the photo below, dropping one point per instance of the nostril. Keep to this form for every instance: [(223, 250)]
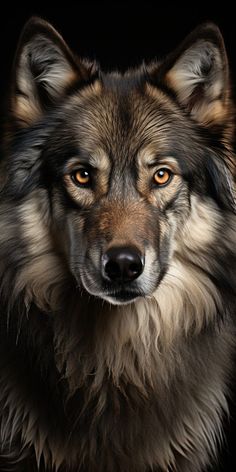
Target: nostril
[(112, 269), (134, 268), (122, 264)]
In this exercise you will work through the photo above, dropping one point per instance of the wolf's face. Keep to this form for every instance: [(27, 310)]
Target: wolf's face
[(120, 164), (120, 188), (123, 158)]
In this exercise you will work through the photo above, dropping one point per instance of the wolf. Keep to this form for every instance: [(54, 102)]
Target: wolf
[(117, 259)]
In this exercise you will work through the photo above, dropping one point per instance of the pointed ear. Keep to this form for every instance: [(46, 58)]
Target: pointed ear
[(44, 70), (198, 75)]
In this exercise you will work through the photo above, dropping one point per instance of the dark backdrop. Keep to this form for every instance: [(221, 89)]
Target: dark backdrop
[(120, 35)]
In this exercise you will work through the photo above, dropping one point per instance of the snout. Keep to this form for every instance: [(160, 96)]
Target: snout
[(120, 274), (117, 260)]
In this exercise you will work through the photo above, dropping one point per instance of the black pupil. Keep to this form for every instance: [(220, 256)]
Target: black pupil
[(161, 173), (84, 174)]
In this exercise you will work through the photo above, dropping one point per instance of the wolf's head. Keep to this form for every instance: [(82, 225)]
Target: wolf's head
[(133, 168)]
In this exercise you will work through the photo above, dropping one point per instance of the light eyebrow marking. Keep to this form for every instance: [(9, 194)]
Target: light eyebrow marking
[(151, 159), (99, 160)]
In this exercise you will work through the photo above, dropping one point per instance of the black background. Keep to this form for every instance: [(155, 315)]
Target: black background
[(121, 35), (117, 34)]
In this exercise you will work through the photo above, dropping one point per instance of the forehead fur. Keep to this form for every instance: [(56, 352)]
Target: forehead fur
[(123, 114)]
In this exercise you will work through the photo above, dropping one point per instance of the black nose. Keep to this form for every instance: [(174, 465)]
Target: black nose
[(122, 264)]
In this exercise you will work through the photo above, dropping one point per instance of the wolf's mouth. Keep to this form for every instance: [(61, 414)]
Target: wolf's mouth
[(122, 296)]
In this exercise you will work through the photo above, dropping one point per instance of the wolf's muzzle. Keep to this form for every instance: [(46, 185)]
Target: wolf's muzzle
[(122, 264)]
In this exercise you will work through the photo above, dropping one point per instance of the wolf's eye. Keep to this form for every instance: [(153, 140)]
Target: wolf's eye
[(162, 176), (81, 177)]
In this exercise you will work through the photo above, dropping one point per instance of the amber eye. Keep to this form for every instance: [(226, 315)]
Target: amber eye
[(81, 177), (162, 176)]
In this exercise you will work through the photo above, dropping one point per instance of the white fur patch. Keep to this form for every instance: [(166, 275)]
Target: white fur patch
[(44, 275)]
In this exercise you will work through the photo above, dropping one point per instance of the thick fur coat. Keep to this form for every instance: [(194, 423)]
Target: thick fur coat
[(98, 372)]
